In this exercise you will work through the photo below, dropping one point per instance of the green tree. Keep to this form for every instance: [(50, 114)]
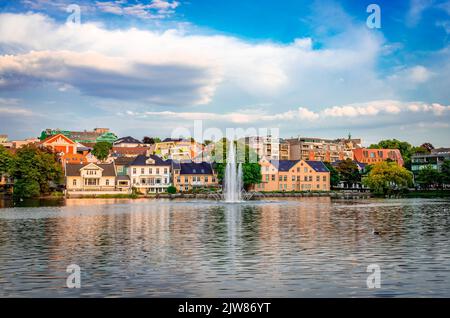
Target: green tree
[(101, 150), (251, 170), (388, 178), (335, 178), (348, 171), (150, 140), (171, 189), (445, 172), (6, 160), (34, 168), (428, 176)]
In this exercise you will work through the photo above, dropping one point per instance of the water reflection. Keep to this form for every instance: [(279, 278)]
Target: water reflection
[(299, 248)]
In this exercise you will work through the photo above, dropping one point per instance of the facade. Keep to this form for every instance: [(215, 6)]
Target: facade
[(150, 174), (435, 159), (60, 144), (127, 142), (293, 175), (265, 146), (3, 138), (317, 149), (178, 149), (284, 150), (372, 156), (90, 177), (194, 175)]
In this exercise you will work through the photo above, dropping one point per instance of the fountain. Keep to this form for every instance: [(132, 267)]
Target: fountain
[(232, 190)]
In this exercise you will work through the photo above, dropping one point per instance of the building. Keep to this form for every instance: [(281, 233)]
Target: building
[(264, 146), (70, 158), (150, 174), (317, 149), (3, 139), (90, 177), (123, 164), (178, 149), (60, 144), (293, 175), (188, 176), (128, 151), (284, 150), (127, 142), (89, 137), (373, 156), (435, 159)]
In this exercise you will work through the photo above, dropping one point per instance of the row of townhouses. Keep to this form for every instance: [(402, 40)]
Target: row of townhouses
[(294, 164)]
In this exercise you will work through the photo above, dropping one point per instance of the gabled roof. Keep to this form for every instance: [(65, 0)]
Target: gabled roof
[(318, 166), (73, 170), (57, 136), (142, 161), (196, 168), (127, 140)]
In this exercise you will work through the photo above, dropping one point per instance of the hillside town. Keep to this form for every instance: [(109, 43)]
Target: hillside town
[(98, 162)]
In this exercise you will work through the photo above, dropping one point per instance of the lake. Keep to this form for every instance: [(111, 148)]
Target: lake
[(305, 247)]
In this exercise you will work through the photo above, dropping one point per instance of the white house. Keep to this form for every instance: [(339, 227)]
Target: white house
[(150, 174)]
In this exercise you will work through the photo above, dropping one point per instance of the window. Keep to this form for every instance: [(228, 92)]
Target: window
[(134, 170), (150, 171), (285, 178), (317, 178), (74, 182), (298, 169), (178, 179), (165, 170), (206, 178), (298, 178), (213, 179), (318, 186), (142, 171), (157, 170), (324, 178), (280, 178), (107, 182), (134, 180), (267, 177), (306, 178), (305, 169), (273, 177), (310, 178), (186, 179)]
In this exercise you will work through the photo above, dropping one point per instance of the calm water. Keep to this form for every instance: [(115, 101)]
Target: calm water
[(309, 247)]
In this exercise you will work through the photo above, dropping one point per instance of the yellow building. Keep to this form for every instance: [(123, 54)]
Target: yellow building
[(189, 176), (293, 175), (90, 177), (178, 149)]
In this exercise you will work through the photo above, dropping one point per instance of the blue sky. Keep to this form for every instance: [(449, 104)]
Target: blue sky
[(151, 67)]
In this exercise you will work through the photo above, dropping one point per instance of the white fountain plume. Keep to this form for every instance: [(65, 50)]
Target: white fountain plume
[(232, 191)]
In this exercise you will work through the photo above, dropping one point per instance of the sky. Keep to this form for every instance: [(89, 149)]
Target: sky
[(151, 68)]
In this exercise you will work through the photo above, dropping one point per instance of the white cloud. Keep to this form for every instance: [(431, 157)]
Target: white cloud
[(178, 69), (302, 114), (156, 9)]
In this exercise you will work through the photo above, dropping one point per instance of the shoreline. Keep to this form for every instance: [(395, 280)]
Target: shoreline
[(256, 195)]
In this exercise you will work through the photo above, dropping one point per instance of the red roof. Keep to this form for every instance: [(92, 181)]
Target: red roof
[(130, 150)]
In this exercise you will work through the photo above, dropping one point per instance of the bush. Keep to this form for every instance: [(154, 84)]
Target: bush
[(171, 189), (26, 189)]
